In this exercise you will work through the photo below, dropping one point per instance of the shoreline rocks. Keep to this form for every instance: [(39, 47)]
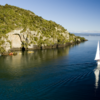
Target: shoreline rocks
[(36, 47)]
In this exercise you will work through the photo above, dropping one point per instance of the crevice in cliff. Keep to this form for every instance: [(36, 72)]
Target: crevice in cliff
[(23, 48)]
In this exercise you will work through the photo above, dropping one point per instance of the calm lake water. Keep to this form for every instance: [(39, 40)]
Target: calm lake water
[(68, 73)]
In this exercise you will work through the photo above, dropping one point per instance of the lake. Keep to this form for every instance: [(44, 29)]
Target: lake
[(69, 73)]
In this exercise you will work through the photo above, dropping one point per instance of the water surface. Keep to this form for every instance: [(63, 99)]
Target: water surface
[(68, 73)]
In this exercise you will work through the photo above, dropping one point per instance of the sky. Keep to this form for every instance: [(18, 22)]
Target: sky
[(77, 16)]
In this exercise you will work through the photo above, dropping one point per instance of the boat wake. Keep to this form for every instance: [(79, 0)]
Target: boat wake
[(61, 82)]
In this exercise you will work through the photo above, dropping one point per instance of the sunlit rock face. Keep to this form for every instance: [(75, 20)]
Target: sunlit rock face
[(17, 38), (16, 42)]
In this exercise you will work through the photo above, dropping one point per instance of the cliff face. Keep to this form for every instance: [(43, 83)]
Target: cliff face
[(29, 39), (34, 40), (22, 28)]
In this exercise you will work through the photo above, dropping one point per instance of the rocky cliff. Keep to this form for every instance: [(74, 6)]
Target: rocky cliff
[(21, 28)]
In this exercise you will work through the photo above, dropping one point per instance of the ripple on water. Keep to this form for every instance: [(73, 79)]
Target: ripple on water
[(58, 83)]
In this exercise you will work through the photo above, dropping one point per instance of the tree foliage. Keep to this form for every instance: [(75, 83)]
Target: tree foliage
[(12, 17)]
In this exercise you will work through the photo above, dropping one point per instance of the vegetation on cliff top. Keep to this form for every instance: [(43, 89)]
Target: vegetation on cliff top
[(12, 17)]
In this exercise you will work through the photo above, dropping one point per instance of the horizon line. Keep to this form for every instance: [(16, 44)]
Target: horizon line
[(85, 33)]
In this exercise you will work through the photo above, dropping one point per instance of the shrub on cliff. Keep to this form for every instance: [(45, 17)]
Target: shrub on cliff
[(82, 38), (2, 50), (35, 38)]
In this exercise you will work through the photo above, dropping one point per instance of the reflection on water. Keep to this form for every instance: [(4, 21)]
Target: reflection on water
[(13, 66), (96, 72)]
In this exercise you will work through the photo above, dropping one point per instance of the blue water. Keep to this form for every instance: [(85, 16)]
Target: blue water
[(57, 74)]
